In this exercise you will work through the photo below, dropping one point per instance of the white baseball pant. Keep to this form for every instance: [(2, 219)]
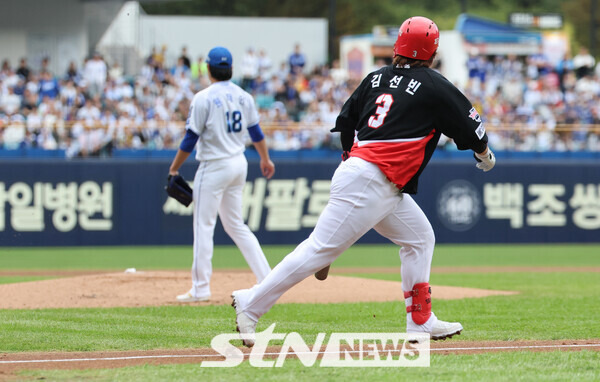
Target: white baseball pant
[(361, 198), (218, 186)]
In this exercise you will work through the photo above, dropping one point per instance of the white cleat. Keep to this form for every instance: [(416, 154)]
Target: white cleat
[(442, 330), (244, 324), (437, 329), (189, 297)]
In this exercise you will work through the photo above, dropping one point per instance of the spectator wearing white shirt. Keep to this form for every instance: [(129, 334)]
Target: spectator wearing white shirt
[(10, 102), (33, 85), (94, 74), (583, 63), (68, 93), (88, 112), (338, 74), (249, 68), (124, 89), (115, 72), (264, 64)]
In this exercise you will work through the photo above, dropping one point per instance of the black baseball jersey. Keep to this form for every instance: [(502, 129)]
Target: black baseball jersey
[(399, 115)]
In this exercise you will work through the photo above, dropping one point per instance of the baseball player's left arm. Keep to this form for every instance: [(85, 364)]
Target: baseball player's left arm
[(485, 160), (461, 122)]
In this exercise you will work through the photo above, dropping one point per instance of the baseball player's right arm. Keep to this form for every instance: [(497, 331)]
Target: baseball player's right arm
[(258, 140), (179, 159), (266, 165), (185, 148)]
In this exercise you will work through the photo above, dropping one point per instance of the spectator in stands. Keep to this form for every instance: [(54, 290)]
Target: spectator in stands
[(157, 101), (48, 86), (94, 74), (338, 74), (250, 70), (10, 102), (563, 68), (88, 113), (199, 68), (297, 60), (150, 58), (146, 74), (110, 92), (180, 69), (68, 95), (45, 65), (14, 135), (115, 72), (264, 64), (72, 73), (160, 57), (29, 100), (184, 57), (537, 66), (8, 75), (583, 63), (5, 69), (283, 71), (19, 87), (23, 70)]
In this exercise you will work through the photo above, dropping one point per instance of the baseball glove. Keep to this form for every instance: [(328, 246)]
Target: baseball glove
[(179, 189)]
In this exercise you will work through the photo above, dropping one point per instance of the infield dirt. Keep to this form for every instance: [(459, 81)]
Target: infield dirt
[(157, 288)]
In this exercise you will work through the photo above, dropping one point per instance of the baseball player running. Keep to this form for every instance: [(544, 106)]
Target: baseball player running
[(218, 118), (399, 113)]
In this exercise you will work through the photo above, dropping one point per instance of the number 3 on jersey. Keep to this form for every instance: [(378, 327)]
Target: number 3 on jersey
[(234, 124), (384, 102)]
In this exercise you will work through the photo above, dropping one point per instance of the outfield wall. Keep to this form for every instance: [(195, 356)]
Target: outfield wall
[(54, 202)]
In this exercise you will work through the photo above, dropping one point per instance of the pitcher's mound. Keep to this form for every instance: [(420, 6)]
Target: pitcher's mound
[(155, 288)]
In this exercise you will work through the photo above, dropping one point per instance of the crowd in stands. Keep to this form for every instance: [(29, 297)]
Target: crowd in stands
[(94, 108), (549, 107)]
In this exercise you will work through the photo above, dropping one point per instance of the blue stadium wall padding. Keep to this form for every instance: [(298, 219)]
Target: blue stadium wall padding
[(57, 202)]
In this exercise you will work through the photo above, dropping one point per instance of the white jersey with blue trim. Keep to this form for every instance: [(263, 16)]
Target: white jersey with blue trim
[(220, 115)]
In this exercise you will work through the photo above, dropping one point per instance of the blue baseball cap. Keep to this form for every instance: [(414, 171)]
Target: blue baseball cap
[(219, 57)]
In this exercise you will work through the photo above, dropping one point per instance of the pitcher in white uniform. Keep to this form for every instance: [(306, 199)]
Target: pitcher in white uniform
[(218, 118)]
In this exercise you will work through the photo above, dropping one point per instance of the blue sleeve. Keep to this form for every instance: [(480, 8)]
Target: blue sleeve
[(189, 141), (256, 133)]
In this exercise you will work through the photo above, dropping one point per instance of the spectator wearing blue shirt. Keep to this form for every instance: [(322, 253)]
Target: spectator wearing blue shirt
[(48, 86), (180, 68), (297, 60)]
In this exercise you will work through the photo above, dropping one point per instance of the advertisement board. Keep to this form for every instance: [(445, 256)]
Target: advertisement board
[(63, 203)]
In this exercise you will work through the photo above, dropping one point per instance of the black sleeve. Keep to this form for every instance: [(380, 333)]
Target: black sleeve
[(458, 119), (348, 119)]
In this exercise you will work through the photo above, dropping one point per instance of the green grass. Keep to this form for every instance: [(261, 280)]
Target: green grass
[(180, 257), (20, 279), (548, 307), (557, 305), (515, 366)]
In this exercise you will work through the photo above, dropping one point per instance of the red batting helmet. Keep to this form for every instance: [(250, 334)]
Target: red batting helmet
[(418, 38)]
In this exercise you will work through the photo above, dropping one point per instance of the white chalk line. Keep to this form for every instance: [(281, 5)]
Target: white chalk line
[(523, 347)]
